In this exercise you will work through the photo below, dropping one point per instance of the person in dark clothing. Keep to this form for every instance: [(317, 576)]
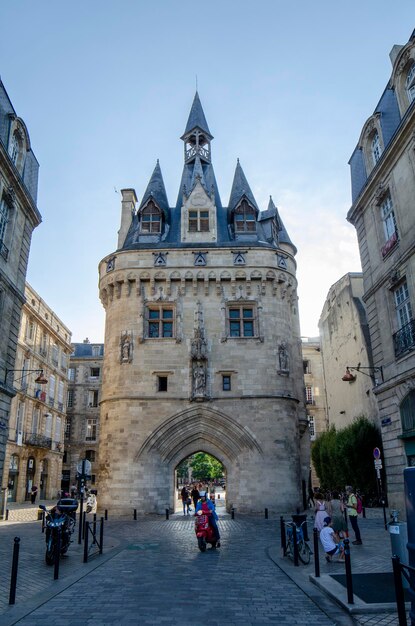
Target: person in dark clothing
[(185, 500), (194, 494), (33, 494)]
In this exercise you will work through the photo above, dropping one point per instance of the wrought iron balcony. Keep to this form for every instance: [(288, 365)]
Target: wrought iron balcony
[(404, 339), (40, 441)]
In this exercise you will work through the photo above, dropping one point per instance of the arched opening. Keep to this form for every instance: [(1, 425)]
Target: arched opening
[(13, 478), (198, 472)]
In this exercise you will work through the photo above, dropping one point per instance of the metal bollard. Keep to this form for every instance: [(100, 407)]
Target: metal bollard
[(135, 514), (384, 515), (7, 515), (364, 512), (232, 513), (400, 597), (15, 565), (86, 542), (316, 554), (94, 528), (106, 514), (83, 524), (266, 513), (294, 528), (348, 565), (101, 536), (57, 555), (43, 521), (167, 513), (283, 536)]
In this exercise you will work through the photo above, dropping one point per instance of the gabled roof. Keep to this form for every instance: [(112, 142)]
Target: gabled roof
[(240, 188), (197, 118), (156, 190)]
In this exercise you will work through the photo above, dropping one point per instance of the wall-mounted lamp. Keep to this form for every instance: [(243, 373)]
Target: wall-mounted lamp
[(40, 380), (350, 378)]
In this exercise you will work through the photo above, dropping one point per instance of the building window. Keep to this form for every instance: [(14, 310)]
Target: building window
[(30, 330), (388, 218), (48, 425), (96, 350), (71, 374), (52, 382), (4, 218), (55, 354), (90, 455), (68, 425), (404, 338), (93, 398), (35, 421), (94, 372), (160, 322), (58, 429), (410, 83), (63, 362), (226, 382), (245, 218), (407, 411), (198, 221), (403, 304), (306, 367), (241, 321), (16, 145), (376, 148), (91, 430), (161, 383), (309, 394), (151, 219), (311, 426)]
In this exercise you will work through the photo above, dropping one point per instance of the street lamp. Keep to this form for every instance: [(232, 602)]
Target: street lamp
[(40, 380), (350, 378)]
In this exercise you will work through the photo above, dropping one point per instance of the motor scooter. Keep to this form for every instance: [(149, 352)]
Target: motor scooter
[(59, 519), (204, 531)]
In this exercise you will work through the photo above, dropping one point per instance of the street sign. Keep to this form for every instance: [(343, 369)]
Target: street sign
[(378, 464), (376, 453), (87, 467)]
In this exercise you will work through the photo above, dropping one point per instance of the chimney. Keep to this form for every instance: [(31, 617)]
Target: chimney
[(127, 211)]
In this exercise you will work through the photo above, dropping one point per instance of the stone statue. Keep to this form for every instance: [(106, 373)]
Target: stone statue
[(199, 380), (126, 348), (283, 358)]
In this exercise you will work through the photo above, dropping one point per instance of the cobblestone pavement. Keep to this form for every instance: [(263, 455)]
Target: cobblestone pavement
[(152, 573)]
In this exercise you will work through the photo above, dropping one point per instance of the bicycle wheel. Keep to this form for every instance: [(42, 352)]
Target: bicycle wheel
[(304, 552)]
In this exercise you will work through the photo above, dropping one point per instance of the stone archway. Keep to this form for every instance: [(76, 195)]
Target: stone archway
[(185, 433)]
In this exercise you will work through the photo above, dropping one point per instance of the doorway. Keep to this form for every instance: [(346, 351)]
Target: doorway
[(202, 472)]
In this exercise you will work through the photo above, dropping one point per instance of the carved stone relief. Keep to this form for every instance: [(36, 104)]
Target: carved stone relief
[(126, 347)]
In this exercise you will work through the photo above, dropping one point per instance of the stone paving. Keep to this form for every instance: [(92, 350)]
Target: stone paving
[(152, 573)]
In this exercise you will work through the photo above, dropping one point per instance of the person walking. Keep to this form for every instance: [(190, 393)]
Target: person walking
[(337, 514), (194, 494), (352, 513), (33, 494), (185, 496)]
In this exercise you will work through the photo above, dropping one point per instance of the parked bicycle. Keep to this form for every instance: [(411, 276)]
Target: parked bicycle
[(304, 550)]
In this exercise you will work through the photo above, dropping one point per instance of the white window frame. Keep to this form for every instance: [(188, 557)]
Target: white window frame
[(376, 148), (402, 304), (388, 217), (58, 429), (4, 218), (70, 398), (200, 218), (35, 421), (48, 425), (15, 147), (91, 428), (71, 374)]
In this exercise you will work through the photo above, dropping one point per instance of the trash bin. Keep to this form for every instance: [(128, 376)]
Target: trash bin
[(398, 533), (298, 520)]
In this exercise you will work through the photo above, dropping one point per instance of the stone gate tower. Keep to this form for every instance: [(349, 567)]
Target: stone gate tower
[(202, 343)]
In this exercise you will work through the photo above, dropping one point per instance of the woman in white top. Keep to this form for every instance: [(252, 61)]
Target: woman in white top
[(322, 510)]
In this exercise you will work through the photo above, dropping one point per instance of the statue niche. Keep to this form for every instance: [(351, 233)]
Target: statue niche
[(199, 359), (126, 347), (283, 359)]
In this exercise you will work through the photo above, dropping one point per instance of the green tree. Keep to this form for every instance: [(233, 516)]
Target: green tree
[(205, 467)]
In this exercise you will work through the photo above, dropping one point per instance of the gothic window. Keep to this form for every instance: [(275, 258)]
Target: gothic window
[(245, 218), (376, 148), (159, 321), (198, 221), (151, 219), (410, 83), (241, 321)]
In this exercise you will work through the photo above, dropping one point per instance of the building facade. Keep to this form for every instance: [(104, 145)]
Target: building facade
[(82, 421), (383, 191), (345, 342), (202, 343), (19, 216), (35, 442)]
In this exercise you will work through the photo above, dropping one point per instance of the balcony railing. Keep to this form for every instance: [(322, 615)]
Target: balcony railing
[(404, 339), (4, 251), (40, 441)]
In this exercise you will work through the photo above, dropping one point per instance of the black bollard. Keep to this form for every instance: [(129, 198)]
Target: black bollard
[(43, 521), (384, 514), (7, 515), (232, 513), (80, 536), (167, 513), (106, 514), (101, 536), (266, 513), (294, 527), (364, 512), (283, 537), (57, 554), (348, 564), (83, 525), (316, 555), (399, 592), (86, 542), (15, 565), (135, 514), (94, 528)]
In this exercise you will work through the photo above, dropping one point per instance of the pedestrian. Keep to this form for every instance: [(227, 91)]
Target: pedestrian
[(194, 494), (33, 494), (73, 491), (185, 496), (330, 541), (352, 513), (337, 515), (322, 510)]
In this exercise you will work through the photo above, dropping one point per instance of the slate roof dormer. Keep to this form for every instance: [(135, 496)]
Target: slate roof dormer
[(157, 191), (240, 188)]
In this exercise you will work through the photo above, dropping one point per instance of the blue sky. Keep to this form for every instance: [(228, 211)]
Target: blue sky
[(105, 88)]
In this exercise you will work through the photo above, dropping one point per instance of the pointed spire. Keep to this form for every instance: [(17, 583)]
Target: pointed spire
[(197, 118), (198, 174), (156, 190), (240, 187)]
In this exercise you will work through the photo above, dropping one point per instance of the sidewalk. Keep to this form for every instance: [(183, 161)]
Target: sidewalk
[(370, 563)]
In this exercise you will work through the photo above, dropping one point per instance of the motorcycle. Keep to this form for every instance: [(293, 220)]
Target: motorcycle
[(204, 531), (61, 518)]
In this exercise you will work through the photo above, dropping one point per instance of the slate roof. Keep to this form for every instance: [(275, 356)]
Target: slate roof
[(157, 191), (85, 350), (197, 118), (240, 187)]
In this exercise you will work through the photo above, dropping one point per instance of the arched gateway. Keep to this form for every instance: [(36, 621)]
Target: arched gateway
[(202, 343)]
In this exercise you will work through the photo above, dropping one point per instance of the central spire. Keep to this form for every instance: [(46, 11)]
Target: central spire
[(197, 136)]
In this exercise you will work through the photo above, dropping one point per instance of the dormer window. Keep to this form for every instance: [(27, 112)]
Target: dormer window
[(245, 218), (376, 148), (16, 145), (198, 221), (151, 219), (410, 83)]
